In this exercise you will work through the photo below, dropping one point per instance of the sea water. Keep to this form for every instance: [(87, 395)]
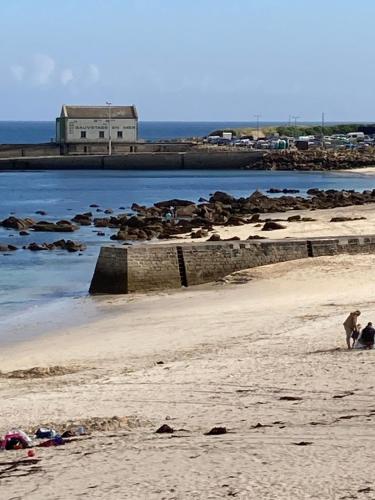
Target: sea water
[(29, 279), (40, 284)]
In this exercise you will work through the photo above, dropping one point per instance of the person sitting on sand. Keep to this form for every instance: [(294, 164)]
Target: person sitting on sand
[(350, 325), (356, 333), (366, 339)]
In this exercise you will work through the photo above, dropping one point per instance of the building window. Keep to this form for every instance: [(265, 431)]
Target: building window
[(101, 134), (83, 134), (119, 134)]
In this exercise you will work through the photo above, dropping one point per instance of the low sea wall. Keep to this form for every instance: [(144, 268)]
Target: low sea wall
[(143, 268), (137, 161)]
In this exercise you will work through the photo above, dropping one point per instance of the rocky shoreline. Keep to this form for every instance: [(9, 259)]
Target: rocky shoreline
[(173, 218), (316, 160)]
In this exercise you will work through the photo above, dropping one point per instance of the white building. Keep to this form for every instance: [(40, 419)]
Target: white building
[(91, 128)]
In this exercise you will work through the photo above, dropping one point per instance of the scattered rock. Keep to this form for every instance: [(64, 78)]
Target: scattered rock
[(173, 203), (216, 431), (16, 223), (7, 248), (272, 226), (41, 212), (63, 226), (214, 237), (303, 443), (294, 218), (290, 398), (83, 219), (69, 245), (201, 233), (165, 429), (346, 219), (365, 490)]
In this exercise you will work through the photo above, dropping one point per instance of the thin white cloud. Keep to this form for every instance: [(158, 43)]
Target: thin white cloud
[(66, 76), (43, 69), (18, 72), (93, 73)]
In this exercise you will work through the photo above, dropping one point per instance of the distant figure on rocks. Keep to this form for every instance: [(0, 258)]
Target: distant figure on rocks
[(168, 217), (350, 326), (366, 339)]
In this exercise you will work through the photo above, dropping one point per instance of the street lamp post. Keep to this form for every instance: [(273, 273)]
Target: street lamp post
[(108, 103), (257, 117), (295, 118)]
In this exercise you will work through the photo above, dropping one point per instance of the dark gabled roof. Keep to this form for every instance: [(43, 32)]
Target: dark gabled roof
[(98, 112)]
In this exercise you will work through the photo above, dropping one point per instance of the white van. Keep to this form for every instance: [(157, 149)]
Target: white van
[(355, 136)]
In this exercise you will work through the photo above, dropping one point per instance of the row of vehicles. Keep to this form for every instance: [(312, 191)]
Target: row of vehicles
[(352, 140)]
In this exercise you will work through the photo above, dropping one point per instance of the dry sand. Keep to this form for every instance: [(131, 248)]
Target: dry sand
[(321, 226), (265, 346)]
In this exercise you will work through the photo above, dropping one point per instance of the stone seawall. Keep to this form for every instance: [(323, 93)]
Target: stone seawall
[(137, 161), (155, 267)]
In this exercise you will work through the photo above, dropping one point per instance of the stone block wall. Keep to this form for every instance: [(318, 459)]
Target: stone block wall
[(142, 268), (342, 244), (111, 271), (211, 261), (152, 267)]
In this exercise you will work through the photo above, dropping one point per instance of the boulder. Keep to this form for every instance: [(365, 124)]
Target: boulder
[(102, 222), (214, 237), (235, 220), (82, 219), (37, 247), (346, 219), (186, 211), (61, 226), (135, 222), (173, 203), (254, 218), (272, 226), (224, 198), (200, 233), (16, 223), (294, 218), (41, 212), (7, 248), (70, 245)]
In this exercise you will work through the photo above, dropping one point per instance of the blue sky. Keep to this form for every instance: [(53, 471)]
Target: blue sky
[(189, 59)]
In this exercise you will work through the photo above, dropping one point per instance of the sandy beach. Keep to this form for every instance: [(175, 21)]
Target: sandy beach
[(261, 353)]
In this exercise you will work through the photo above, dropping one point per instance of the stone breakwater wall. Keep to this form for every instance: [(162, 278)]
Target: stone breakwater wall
[(146, 268), (137, 161)]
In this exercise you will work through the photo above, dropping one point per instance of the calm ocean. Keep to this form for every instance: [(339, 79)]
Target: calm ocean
[(32, 283), (34, 132)]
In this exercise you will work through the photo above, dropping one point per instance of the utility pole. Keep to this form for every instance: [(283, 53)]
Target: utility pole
[(257, 117), (108, 103), (323, 123)]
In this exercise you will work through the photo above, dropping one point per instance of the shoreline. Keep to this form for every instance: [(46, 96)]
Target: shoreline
[(95, 306)]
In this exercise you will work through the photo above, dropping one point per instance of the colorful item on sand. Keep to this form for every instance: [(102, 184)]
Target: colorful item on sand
[(16, 440)]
